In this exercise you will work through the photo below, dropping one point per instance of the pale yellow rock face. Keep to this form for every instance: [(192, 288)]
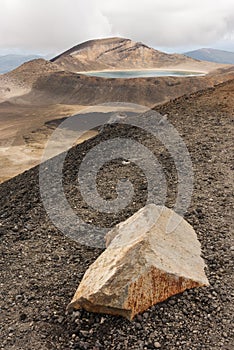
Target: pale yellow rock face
[(142, 265)]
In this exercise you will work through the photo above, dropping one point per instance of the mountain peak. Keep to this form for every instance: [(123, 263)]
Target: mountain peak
[(115, 53), (91, 44), (212, 55)]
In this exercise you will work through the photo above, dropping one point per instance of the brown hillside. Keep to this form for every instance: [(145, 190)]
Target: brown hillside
[(20, 80), (120, 53), (70, 88)]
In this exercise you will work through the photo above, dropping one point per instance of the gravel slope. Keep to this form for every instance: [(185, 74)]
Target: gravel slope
[(40, 268)]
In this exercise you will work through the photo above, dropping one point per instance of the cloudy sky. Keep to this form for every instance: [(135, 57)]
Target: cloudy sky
[(51, 26)]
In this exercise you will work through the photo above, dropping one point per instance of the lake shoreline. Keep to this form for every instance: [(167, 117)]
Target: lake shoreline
[(143, 73), (173, 68)]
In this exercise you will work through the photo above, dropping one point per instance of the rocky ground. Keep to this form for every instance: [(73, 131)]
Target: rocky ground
[(41, 268)]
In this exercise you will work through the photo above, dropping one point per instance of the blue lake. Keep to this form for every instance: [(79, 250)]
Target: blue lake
[(142, 73)]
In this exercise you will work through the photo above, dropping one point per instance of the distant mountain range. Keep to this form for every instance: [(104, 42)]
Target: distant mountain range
[(57, 81), (10, 62), (212, 55), (120, 53)]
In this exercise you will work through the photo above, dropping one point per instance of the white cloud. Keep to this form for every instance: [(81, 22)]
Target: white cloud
[(50, 24), (171, 23), (54, 25)]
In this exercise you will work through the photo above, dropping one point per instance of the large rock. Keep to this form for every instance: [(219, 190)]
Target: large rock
[(142, 265)]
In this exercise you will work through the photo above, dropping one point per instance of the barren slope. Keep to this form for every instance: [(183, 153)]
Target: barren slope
[(120, 53), (40, 91), (70, 88), (19, 81), (55, 94), (41, 268)]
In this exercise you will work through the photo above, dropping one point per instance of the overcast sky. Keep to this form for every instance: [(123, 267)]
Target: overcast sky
[(51, 26)]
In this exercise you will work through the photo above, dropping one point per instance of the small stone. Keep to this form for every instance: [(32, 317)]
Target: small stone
[(102, 320), (157, 345), (60, 319), (75, 315), (139, 318), (84, 345), (138, 326), (22, 317), (84, 333)]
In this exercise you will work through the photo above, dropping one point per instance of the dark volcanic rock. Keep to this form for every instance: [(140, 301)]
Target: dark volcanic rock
[(40, 268)]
